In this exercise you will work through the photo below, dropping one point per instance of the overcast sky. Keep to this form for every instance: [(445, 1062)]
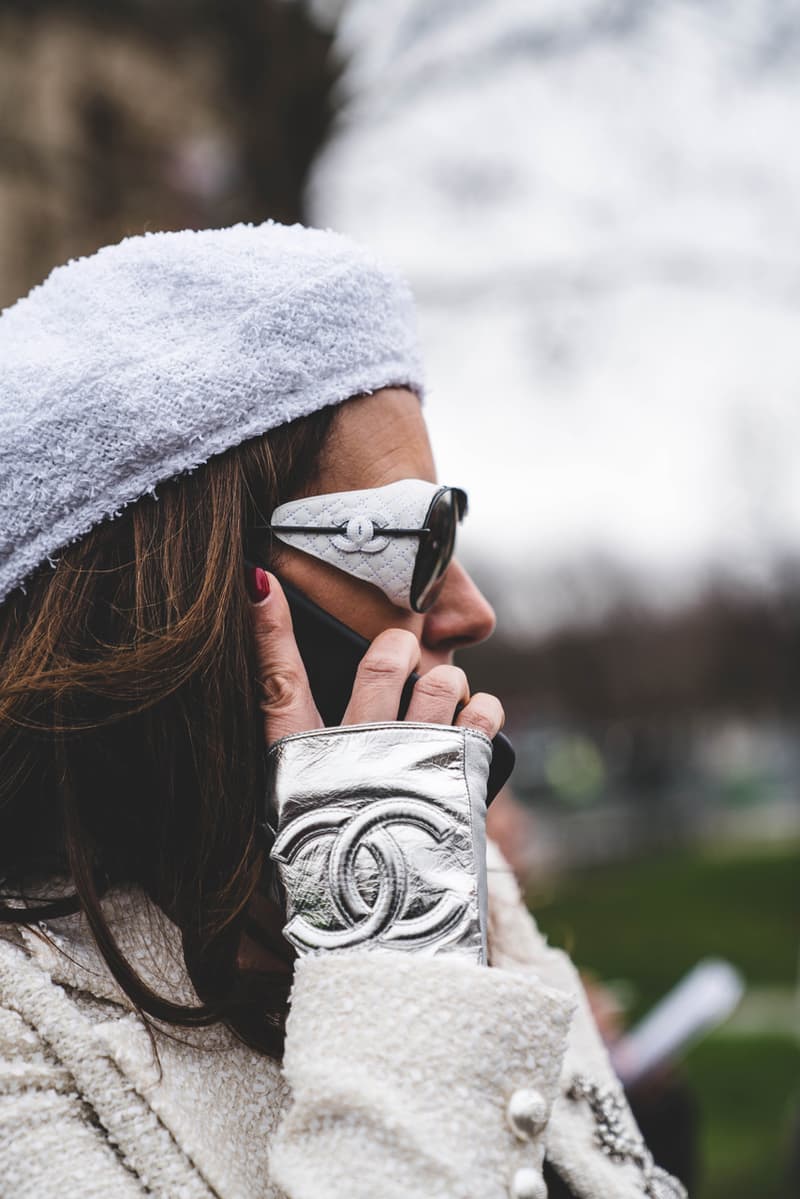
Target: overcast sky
[(598, 206)]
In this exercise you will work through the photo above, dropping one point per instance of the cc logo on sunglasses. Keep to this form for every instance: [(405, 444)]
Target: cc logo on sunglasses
[(376, 895), (359, 536)]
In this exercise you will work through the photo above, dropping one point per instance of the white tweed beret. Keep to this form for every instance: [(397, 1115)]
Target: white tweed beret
[(139, 362)]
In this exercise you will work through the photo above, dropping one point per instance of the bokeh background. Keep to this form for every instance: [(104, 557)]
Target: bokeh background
[(598, 205)]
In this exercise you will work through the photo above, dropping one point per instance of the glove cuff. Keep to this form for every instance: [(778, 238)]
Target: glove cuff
[(381, 837)]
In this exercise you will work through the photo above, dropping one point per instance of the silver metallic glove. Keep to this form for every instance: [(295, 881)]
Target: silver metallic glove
[(381, 837)]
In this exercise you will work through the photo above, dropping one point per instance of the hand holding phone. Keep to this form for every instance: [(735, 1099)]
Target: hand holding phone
[(331, 653), (376, 824)]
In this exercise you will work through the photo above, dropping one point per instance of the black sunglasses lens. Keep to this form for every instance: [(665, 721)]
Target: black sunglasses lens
[(436, 549)]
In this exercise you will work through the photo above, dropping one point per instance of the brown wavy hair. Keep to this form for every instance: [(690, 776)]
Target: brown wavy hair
[(131, 742)]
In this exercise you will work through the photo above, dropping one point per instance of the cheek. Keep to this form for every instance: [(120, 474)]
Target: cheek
[(359, 605)]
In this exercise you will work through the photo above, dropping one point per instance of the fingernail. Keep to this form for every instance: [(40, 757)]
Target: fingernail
[(257, 584)]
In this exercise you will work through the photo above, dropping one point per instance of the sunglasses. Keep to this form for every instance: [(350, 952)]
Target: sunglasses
[(400, 537)]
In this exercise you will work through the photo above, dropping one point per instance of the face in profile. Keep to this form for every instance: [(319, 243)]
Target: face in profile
[(375, 440)]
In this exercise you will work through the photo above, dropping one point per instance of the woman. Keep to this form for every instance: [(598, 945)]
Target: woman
[(173, 407)]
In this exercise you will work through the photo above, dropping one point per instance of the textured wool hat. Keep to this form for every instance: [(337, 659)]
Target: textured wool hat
[(139, 362)]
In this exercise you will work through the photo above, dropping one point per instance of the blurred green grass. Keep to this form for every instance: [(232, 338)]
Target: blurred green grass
[(748, 1091), (648, 923)]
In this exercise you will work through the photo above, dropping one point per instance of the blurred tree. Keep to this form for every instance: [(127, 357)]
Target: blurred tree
[(726, 654)]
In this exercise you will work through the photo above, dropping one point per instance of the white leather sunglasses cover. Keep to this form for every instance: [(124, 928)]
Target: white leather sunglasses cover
[(357, 546)]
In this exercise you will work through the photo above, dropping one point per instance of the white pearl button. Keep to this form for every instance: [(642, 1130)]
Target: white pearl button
[(527, 1113), (528, 1183)]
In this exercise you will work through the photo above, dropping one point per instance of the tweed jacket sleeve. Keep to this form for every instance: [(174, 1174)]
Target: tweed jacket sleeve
[(406, 1074), (442, 1079)]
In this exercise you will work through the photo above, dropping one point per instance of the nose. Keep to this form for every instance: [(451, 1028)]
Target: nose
[(461, 615)]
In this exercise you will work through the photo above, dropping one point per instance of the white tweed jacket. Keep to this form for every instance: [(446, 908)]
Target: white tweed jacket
[(403, 1077)]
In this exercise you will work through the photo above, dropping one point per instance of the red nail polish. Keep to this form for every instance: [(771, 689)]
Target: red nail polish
[(257, 584)]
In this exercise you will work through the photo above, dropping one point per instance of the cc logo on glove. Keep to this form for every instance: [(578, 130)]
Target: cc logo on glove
[(345, 836)]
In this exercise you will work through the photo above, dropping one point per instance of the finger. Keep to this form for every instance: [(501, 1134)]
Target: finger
[(484, 713), (381, 676), (437, 695), (284, 695)]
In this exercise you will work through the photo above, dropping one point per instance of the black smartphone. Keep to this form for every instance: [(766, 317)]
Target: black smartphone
[(331, 652)]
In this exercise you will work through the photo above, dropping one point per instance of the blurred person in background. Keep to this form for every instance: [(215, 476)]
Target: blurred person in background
[(224, 971)]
